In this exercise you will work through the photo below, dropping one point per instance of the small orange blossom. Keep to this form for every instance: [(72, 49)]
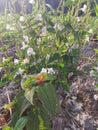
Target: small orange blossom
[(40, 79)]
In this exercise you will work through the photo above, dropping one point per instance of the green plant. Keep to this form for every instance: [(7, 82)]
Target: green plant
[(47, 46)]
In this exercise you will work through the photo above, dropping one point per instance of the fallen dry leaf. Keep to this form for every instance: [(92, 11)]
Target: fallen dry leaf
[(2, 120)]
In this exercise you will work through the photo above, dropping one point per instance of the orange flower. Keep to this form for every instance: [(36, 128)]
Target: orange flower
[(40, 79)]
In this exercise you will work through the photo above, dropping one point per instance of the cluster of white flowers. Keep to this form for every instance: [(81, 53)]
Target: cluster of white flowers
[(25, 61), (39, 17), (87, 38), (84, 8), (51, 71), (8, 27), (96, 97), (47, 70), (32, 2), (90, 31), (78, 19), (20, 71), (44, 70), (30, 52), (16, 61), (3, 59), (58, 27), (21, 19), (24, 46)]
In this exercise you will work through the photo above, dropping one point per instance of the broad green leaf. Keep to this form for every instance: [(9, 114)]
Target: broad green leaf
[(15, 118), (21, 123), (38, 119), (43, 119), (33, 122), (21, 103), (48, 97)]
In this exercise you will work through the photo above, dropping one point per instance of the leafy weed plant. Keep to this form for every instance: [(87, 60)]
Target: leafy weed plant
[(47, 48)]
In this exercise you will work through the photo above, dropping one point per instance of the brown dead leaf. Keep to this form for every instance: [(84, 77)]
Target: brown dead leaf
[(2, 120)]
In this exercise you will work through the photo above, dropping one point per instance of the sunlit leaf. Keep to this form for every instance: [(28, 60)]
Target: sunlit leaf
[(6, 128), (29, 93)]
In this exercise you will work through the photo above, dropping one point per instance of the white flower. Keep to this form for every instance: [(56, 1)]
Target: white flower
[(32, 2), (1, 69), (24, 46), (51, 71), (9, 15), (87, 38), (90, 31), (30, 51), (25, 61), (58, 27), (44, 31), (20, 71), (84, 8), (7, 26), (16, 61), (12, 28), (47, 57), (26, 38), (39, 17), (21, 19), (44, 70), (47, 70), (96, 97), (67, 44), (3, 59), (78, 19)]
